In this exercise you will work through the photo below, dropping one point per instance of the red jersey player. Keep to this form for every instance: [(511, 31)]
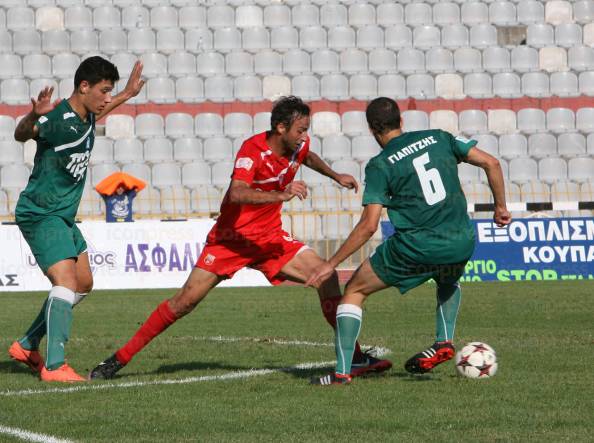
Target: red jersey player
[(248, 232)]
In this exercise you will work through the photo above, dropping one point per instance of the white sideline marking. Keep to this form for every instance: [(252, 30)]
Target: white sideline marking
[(134, 384), (31, 436), (378, 351)]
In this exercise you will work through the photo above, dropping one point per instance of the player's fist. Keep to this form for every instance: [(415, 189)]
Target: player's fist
[(502, 217), (347, 181), (295, 189)]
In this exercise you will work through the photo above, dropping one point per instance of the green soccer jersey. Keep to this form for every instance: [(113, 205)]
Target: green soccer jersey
[(64, 145), (416, 178)]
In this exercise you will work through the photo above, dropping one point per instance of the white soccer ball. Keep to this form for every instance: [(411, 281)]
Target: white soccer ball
[(476, 360)]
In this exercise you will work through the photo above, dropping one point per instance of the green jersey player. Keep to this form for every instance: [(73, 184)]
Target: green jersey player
[(416, 178), (64, 131)]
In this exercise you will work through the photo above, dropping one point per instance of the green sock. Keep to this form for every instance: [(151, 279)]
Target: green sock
[(35, 332), (348, 326), (37, 329), (446, 312), (58, 318)]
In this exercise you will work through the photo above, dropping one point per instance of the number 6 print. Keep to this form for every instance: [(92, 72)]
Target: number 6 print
[(430, 179)]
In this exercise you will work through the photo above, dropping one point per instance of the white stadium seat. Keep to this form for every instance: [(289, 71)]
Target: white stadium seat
[(189, 89), (10, 152), (389, 14), (149, 125), (158, 150), (531, 120), (472, 121), (166, 174), (535, 84), (542, 145), (187, 149), (128, 150), (415, 121), (478, 85)]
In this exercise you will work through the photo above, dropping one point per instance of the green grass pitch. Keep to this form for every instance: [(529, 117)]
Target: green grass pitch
[(542, 331)]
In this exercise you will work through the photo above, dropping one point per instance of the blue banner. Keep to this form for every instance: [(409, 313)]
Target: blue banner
[(530, 249)]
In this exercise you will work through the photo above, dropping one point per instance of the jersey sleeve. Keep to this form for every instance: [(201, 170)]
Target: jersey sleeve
[(376, 185), (42, 124), (246, 163), (461, 146)]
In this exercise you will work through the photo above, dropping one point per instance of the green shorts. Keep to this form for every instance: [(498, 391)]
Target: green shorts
[(396, 269), (52, 239)]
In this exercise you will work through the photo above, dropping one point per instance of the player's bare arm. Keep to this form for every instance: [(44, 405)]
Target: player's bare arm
[(26, 128), (492, 168), (363, 231), (133, 87), (314, 162), (241, 193)]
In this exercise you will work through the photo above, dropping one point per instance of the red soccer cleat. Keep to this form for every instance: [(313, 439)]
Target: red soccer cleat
[(30, 358), (332, 379), (425, 361), (64, 374), (371, 365)]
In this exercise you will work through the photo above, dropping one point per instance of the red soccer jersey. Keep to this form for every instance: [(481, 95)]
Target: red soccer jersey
[(263, 170)]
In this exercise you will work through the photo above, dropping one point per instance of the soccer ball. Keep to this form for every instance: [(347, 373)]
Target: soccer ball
[(476, 360)]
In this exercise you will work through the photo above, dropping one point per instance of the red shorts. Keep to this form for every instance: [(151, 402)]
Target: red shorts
[(267, 255)]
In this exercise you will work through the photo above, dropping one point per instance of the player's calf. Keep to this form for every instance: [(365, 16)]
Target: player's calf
[(425, 361)]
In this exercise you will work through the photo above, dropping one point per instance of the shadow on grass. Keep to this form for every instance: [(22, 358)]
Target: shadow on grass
[(195, 366), (405, 376), (12, 367)]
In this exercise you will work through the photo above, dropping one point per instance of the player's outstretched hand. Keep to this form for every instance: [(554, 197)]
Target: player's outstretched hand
[(297, 188), (44, 104), (135, 82), (322, 273), (347, 181), (502, 217)]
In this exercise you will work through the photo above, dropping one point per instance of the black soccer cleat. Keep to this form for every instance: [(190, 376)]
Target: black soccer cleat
[(370, 365), (425, 361), (106, 369), (331, 379)]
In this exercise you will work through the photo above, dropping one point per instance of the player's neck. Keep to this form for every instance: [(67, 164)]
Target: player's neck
[(78, 107), (385, 138), (276, 145)]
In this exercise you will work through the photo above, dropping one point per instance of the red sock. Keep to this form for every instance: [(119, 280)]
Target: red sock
[(329, 306), (157, 322)]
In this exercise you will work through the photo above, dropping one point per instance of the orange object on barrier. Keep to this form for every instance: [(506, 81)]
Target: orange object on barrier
[(110, 184)]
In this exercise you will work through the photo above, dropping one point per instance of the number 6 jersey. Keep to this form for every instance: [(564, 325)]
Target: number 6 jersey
[(416, 178)]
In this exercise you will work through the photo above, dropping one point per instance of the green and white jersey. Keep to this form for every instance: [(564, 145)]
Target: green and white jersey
[(57, 181), (416, 178)]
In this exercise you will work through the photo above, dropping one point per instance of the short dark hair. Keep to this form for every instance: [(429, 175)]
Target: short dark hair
[(95, 69), (286, 110), (383, 114)]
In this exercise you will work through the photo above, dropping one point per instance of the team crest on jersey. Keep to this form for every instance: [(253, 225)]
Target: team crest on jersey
[(244, 163), (68, 115), (209, 259)]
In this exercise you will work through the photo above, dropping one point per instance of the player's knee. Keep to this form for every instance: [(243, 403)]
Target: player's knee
[(85, 285)]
